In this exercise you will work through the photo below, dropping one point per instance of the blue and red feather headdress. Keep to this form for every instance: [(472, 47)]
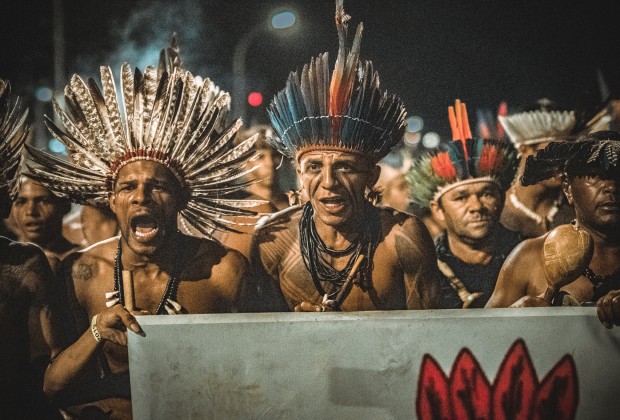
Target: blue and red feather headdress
[(343, 111)]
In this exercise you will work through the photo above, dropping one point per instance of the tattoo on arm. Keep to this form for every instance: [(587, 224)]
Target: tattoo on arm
[(83, 272)]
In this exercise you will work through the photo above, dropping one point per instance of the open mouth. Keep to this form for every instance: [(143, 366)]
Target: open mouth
[(144, 227), (333, 203)]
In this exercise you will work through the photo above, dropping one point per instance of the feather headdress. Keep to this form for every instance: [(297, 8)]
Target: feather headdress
[(545, 124), (342, 111), (462, 161), (13, 133), (164, 116), (598, 151)]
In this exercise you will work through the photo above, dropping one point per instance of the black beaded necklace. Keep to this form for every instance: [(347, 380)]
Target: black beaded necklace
[(315, 253), (171, 287), (602, 284)]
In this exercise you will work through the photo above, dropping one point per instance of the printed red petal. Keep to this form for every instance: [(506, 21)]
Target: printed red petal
[(432, 401), (515, 384), (558, 393), (470, 390)]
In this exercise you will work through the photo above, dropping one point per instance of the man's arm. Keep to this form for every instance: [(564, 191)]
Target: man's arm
[(518, 274), (418, 259), (44, 322), (73, 363)]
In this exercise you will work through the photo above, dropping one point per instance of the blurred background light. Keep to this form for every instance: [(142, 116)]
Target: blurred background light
[(255, 98), (414, 124), (283, 20), (431, 140), (43, 94)]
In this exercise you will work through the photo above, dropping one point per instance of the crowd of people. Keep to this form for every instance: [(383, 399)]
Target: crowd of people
[(181, 212)]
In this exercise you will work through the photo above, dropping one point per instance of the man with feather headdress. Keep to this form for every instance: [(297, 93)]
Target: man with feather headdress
[(156, 155), (533, 210), (590, 172), (463, 184), (338, 251), (27, 316)]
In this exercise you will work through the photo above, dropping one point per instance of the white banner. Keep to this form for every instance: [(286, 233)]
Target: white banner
[(483, 363)]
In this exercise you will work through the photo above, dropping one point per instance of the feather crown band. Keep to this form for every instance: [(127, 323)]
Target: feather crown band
[(13, 133), (164, 116), (547, 124), (345, 111), (598, 151), (462, 161)]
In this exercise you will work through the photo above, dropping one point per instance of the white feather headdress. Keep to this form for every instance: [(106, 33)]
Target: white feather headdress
[(13, 133), (538, 126), (164, 116)]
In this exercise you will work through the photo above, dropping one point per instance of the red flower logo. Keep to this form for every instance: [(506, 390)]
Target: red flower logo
[(515, 394)]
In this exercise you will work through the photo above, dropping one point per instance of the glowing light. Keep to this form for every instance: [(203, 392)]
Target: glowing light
[(430, 140), (255, 99), (43, 94), (414, 124), (412, 139), (56, 146), (283, 20)]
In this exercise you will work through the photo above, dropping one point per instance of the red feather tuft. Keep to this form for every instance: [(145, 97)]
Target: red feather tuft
[(443, 167), (490, 159)]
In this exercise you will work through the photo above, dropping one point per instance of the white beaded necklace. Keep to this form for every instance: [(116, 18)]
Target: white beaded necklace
[(532, 214)]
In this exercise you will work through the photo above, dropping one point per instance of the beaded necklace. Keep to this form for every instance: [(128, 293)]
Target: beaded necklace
[(171, 286), (531, 213), (315, 253), (602, 284)]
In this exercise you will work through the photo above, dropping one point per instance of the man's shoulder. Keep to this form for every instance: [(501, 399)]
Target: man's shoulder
[(208, 252), (527, 253), (99, 251), (14, 252), (279, 225), (394, 221)]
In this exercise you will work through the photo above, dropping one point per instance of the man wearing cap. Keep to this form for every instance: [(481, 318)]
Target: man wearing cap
[(338, 251), (590, 174), (463, 185)]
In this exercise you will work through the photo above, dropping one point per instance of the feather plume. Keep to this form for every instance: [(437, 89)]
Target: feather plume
[(345, 110), (461, 160), (162, 115), (13, 133)]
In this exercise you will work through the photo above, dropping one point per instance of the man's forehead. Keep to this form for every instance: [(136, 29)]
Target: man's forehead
[(473, 187), (144, 170), (334, 156)]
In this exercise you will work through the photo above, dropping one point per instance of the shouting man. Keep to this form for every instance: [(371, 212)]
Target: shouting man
[(338, 251), (159, 157)]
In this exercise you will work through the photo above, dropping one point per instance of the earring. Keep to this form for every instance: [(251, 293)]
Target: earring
[(294, 197), (374, 196)]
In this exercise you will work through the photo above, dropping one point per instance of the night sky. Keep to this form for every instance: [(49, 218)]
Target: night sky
[(427, 52)]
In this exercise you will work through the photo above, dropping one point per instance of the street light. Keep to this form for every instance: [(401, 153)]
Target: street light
[(280, 20)]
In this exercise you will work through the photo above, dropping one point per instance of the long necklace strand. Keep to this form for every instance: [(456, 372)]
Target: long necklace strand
[(602, 285), (315, 253), (169, 293), (531, 213)]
